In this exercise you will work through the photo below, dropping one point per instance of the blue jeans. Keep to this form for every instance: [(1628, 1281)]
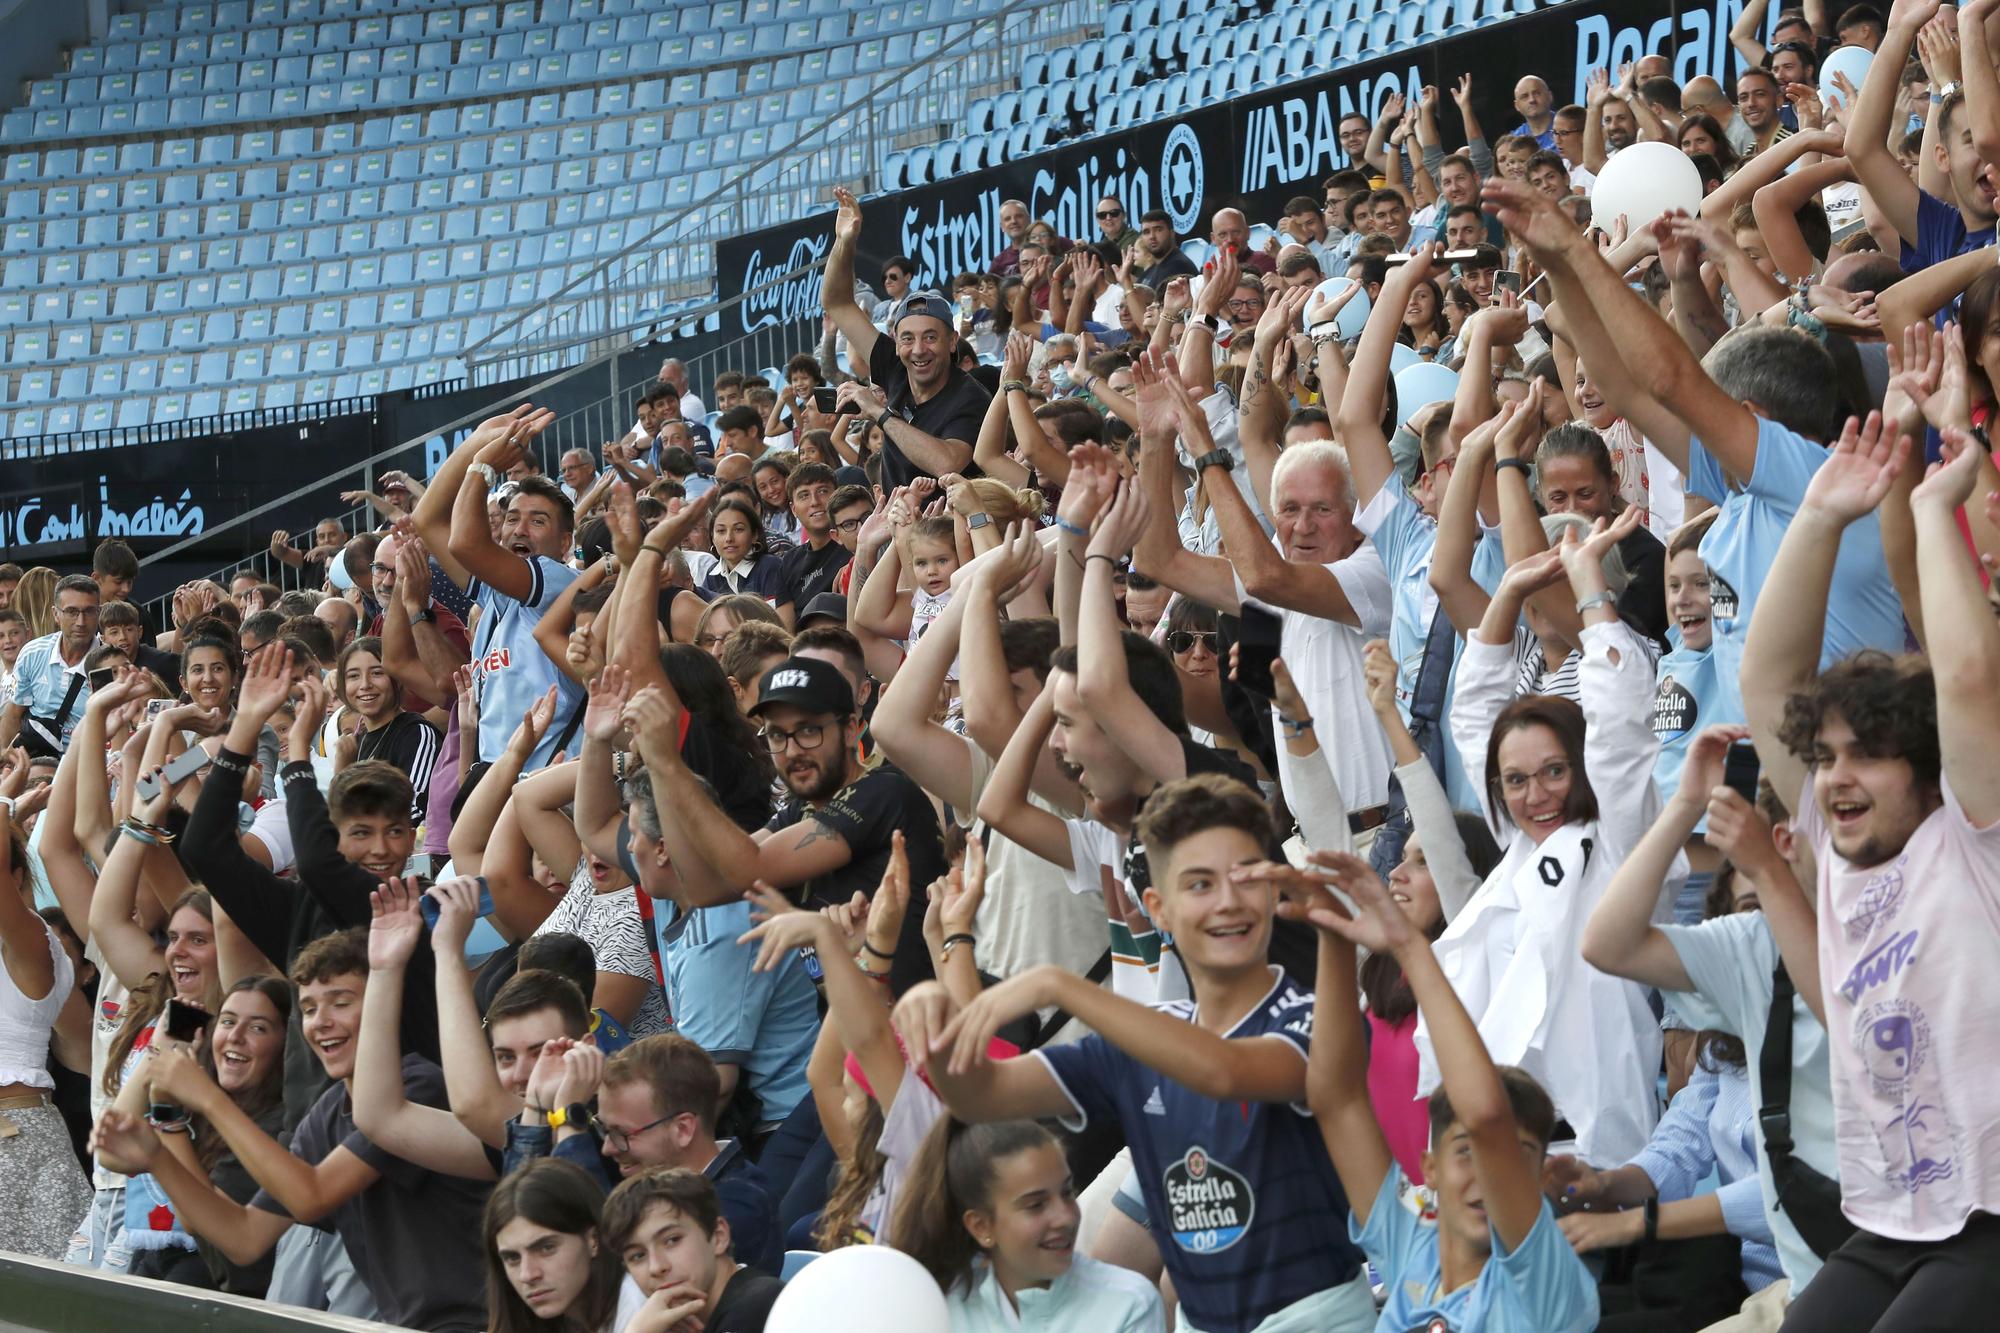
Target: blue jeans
[(97, 1242)]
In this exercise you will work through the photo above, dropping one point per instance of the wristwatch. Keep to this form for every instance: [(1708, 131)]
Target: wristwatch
[(978, 520), (423, 617), (883, 418), (1325, 330), (1945, 93), (1214, 458), (486, 472), (575, 1116)]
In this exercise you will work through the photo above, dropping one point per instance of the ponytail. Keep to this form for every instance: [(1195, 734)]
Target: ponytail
[(952, 1174)]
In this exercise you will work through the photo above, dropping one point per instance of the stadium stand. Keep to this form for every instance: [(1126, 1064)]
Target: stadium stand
[(262, 204)]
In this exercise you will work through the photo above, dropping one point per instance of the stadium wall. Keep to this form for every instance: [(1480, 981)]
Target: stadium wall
[(1252, 152)]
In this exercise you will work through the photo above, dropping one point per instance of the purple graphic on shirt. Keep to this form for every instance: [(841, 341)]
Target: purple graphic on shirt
[(1894, 1041), (1880, 899)]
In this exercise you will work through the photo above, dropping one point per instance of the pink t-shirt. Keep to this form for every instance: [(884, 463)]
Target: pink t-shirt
[(1906, 954), (1392, 1090)]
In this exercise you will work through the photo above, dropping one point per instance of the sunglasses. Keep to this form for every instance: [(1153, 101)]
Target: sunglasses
[(1110, 213), (1184, 640)]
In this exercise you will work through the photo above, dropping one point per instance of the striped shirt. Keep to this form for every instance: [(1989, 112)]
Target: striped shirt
[(42, 681)]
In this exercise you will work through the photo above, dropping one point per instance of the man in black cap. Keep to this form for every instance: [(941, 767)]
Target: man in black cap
[(829, 608), (833, 837), (809, 569), (929, 409)]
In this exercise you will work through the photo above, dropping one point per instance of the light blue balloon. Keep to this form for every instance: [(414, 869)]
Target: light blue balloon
[(1401, 357), (336, 572), (1354, 315), (1853, 61), (1423, 384)]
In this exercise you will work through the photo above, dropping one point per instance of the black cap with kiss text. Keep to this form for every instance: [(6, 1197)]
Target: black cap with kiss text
[(806, 683)]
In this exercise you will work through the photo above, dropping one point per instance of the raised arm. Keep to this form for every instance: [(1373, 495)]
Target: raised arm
[(1776, 209), (1875, 166), (470, 538), (1009, 417), (1103, 683), (1746, 34), (1360, 416), (471, 1084), (1620, 937), (1782, 650), (1460, 597), (837, 287), (1004, 804), (1976, 21), (433, 515), (425, 1135), (1659, 362), (1968, 714), (1159, 554)]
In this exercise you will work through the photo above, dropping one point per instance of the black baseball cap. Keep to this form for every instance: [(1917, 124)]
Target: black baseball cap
[(828, 604), (805, 683)]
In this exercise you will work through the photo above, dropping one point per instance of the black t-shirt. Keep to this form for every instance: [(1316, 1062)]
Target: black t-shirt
[(234, 1179), (1175, 265), (804, 573), (412, 745), (954, 412), (745, 1303), (414, 1234), (866, 813)]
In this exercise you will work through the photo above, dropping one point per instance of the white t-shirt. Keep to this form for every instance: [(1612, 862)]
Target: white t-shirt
[(1904, 948), (271, 828), (1031, 913), (1141, 968), (1325, 661), (905, 1126)]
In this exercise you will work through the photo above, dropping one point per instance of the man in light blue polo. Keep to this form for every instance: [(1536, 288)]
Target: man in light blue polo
[(50, 685), (514, 579)]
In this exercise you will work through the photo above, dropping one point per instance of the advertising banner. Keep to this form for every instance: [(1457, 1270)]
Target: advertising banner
[(1254, 153)]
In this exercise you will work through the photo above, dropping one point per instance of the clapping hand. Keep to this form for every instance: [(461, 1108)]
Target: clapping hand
[(396, 923)]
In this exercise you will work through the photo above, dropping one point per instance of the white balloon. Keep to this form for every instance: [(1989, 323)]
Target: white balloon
[(1353, 315), (861, 1289), (1853, 61), (1424, 383), (1643, 181)]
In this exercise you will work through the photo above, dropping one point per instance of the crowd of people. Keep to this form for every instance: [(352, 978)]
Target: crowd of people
[(1107, 783)]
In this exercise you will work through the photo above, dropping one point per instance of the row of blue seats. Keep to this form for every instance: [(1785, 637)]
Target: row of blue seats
[(613, 117), (134, 408), (415, 20), (110, 382), (190, 68), (581, 105), (23, 124), (382, 189)]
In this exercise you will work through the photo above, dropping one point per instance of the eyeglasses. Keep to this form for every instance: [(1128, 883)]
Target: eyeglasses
[(709, 642), (1246, 303), (1184, 640), (1553, 774), (76, 612), (1105, 213), (807, 737), (850, 524), (619, 1140), (379, 568)]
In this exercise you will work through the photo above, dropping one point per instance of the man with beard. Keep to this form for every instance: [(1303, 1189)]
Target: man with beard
[(1158, 256), (832, 838), (929, 409), (1758, 98)]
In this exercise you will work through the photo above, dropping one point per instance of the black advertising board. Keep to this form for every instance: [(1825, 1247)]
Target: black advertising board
[(55, 508), (1251, 152)]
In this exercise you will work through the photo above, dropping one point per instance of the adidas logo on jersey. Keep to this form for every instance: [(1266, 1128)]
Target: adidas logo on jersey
[(1154, 1106)]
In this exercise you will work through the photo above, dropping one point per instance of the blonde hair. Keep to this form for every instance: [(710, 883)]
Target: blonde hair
[(1007, 504), (35, 599)]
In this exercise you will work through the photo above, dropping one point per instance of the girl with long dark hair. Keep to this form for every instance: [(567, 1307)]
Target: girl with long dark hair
[(990, 1210)]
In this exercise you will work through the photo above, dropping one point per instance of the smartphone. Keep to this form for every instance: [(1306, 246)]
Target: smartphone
[(1393, 260), (1256, 648), (102, 678), (1507, 279), (1460, 256), (429, 905), (155, 707), (182, 1021), (1740, 770), (823, 397), (181, 767)]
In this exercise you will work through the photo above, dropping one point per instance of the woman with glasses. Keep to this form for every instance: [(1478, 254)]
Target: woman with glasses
[(1569, 788)]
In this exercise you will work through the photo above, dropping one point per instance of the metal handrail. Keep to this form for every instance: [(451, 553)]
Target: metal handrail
[(763, 177)]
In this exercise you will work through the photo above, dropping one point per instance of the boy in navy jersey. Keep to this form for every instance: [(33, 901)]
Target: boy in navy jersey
[(1240, 1195), (1496, 1261)]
